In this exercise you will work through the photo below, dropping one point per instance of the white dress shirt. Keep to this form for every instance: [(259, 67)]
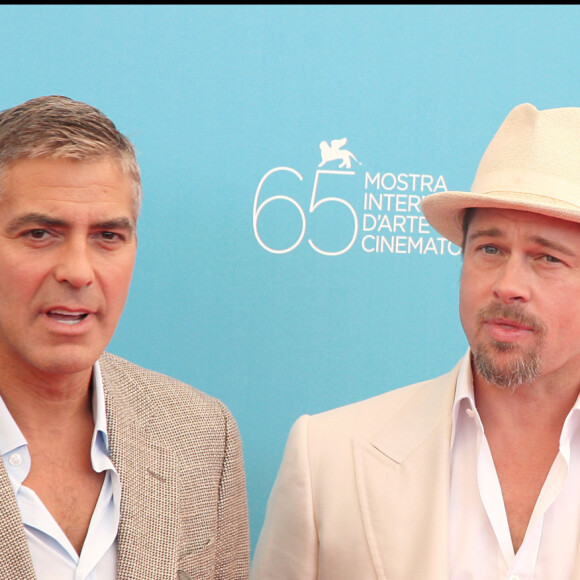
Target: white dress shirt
[(480, 541), (53, 555)]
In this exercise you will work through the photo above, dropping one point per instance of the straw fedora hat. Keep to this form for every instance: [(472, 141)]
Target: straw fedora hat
[(532, 164)]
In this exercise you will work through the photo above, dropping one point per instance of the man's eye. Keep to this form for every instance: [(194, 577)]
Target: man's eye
[(37, 234), (490, 250), (111, 236), (551, 259)]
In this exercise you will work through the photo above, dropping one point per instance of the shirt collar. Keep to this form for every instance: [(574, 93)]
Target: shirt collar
[(100, 441), (464, 401), (464, 386), (570, 427), (11, 437), (99, 412)]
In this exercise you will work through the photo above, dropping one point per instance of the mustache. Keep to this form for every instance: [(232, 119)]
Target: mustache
[(513, 313)]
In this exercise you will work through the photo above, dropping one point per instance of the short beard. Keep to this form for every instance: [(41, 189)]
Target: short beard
[(522, 371), (526, 368)]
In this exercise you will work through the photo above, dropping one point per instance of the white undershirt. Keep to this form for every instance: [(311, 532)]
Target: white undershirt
[(53, 555), (480, 542)]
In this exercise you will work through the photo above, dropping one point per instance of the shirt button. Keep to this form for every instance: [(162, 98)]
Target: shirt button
[(471, 413), (15, 459)]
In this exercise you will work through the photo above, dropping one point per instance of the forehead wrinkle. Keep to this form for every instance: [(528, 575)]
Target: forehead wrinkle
[(78, 193)]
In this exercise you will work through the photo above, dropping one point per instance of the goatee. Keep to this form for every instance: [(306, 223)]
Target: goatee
[(521, 370)]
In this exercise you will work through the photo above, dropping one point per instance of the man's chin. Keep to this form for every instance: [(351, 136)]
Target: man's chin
[(70, 360), (505, 365)]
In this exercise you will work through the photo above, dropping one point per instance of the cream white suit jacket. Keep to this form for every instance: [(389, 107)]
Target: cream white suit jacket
[(183, 496), (363, 491)]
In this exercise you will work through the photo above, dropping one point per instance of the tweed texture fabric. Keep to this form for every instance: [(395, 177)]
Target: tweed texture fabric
[(183, 493)]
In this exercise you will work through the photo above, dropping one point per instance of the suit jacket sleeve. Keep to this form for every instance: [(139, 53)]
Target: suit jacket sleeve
[(232, 526), (288, 544)]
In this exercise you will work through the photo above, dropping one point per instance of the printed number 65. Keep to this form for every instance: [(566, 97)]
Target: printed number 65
[(313, 206)]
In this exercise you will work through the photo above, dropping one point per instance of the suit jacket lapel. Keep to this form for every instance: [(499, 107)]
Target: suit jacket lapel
[(403, 486), (15, 559), (149, 526)]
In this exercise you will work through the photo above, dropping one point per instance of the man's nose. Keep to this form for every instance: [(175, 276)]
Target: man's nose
[(512, 282), (74, 264)]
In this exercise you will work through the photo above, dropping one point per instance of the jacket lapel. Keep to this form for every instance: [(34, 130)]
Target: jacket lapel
[(148, 528), (403, 486), (15, 560)]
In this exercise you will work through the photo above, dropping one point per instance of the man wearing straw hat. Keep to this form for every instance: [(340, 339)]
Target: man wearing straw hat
[(475, 474)]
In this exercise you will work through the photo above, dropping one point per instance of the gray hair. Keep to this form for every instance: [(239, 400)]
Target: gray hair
[(58, 127)]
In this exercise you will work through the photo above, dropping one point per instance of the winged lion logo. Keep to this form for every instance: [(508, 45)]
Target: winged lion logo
[(334, 152)]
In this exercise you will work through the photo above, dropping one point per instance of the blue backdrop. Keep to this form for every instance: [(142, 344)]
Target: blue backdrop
[(284, 265)]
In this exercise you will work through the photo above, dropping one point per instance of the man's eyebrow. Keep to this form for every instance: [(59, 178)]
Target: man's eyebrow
[(45, 220), (122, 223), (490, 232), (34, 218), (550, 244)]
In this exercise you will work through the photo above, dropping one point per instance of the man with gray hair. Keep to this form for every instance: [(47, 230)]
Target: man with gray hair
[(108, 470), (475, 474)]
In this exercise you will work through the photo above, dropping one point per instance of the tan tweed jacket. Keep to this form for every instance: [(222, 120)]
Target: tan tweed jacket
[(179, 458)]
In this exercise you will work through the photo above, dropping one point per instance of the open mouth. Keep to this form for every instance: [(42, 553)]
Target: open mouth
[(67, 317)]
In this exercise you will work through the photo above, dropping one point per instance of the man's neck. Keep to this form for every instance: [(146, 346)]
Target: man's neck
[(39, 400), (543, 404)]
